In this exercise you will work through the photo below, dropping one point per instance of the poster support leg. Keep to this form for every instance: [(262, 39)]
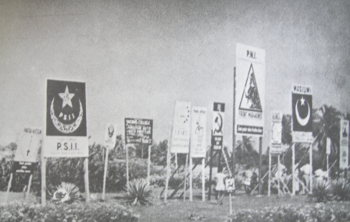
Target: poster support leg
[(210, 171), (8, 187), (86, 179), (29, 185), (105, 174), (203, 180), (185, 176), (127, 167), (327, 166), (43, 180), (293, 169), (269, 183), (311, 170), (260, 172), (167, 175), (149, 165), (279, 174), (191, 176)]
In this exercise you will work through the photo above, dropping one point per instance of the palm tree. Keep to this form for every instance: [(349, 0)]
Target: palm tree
[(245, 152), (326, 122), (287, 129)]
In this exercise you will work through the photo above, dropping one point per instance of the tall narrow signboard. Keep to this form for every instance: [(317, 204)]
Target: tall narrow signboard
[(276, 134), (344, 144), (180, 136), (250, 90), (218, 125)]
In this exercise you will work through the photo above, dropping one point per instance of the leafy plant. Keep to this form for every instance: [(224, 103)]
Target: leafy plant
[(66, 192), (341, 190), (321, 192), (138, 193)]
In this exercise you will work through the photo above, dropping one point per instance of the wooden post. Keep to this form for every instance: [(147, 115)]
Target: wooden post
[(260, 153), (149, 165), (43, 179), (185, 176), (203, 180), (310, 167), (127, 167), (86, 179), (167, 175), (233, 122), (327, 165), (210, 170), (293, 169), (105, 174), (8, 187), (29, 185), (191, 165), (279, 173), (269, 183)]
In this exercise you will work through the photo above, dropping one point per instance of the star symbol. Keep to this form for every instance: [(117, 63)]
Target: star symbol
[(302, 100), (66, 97)]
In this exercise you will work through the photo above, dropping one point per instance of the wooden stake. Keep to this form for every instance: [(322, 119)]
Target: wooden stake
[(185, 176), (269, 183), (86, 179), (167, 175), (310, 168), (293, 169), (149, 165), (127, 167), (279, 173), (203, 180), (191, 164), (105, 174), (29, 185), (8, 187), (43, 179)]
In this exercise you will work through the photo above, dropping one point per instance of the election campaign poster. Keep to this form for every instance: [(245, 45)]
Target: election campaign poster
[(218, 125), (276, 134), (180, 138), (344, 144), (302, 114), (138, 131), (198, 132), (110, 135), (65, 120), (29, 145), (250, 90)]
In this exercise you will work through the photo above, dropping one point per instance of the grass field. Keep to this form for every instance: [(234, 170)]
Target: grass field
[(176, 210)]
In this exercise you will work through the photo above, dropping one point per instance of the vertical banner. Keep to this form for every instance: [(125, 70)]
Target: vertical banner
[(198, 132), (276, 134), (218, 126), (110, 135), (65, 120), (250, 90), (138, 131), (181, 128), (344, 144), (302, 114)]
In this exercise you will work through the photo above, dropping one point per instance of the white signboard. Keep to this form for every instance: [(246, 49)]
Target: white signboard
[(276, 134), (230, 184), (344, 144), (181, 128), (198, 132), (302, 114), (29, 144), (110, 135), (250, 90)]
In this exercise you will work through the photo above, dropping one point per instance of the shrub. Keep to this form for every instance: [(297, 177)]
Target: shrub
[(63, 212), (66, 192), (321, 192), (138, 193), (341, 189)]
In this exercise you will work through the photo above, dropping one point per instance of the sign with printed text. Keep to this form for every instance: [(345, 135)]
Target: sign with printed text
[(180, 138), (138, 131), (110, 135), (218, 125), (29, 144), (23, 167), (276, 134), (344, 144), (198, 132), (302, 114), (250, 90), (65, 120)]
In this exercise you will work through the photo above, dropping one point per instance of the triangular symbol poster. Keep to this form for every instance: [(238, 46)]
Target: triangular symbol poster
[(250, 97)]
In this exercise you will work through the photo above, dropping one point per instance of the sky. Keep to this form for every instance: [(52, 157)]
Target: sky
[(138, 57)]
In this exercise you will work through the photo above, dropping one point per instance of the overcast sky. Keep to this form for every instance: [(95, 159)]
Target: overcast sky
[(138, 57)]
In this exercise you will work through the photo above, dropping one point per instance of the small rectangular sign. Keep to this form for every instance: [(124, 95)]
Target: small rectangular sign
[(256, 130), (216, 142), (66, 146), (23, 167), (138, 131), (29, 144), (230, 184), (110, 135)]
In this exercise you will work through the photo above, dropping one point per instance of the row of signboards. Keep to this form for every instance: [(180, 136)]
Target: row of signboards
[(66, 127)]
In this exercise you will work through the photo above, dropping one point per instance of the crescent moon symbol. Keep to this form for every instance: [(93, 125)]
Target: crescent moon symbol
[(302, 121), (66, 128)]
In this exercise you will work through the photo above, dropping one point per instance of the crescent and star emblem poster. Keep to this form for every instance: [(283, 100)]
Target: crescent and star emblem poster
[(65, 120), (250, 90), (302, 114)]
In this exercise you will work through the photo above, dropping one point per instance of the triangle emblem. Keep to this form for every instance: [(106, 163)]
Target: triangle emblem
[(250, 97)]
